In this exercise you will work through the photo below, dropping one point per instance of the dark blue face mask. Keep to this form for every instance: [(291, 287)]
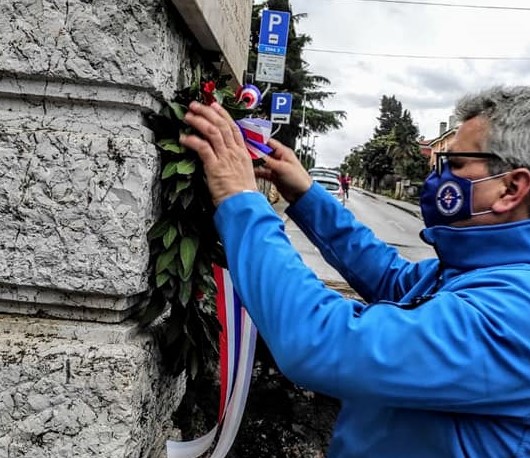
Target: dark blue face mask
[(447, 198)]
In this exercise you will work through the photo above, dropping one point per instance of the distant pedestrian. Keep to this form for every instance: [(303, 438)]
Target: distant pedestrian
[(345, 185)]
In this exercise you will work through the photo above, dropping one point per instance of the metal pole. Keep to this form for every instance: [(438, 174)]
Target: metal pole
[(303, 125), (313, 151)]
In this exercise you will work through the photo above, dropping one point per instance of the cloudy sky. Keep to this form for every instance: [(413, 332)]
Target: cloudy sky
[(343, 30)]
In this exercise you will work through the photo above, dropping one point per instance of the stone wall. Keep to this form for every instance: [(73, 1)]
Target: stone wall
[(74, 389), (79, 164), (78, 193)]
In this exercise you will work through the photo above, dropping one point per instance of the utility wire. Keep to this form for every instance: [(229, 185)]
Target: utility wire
[(415, 56), (405, 2)]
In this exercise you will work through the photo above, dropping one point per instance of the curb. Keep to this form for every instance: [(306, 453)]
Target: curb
[(393, 203), (415, 213)]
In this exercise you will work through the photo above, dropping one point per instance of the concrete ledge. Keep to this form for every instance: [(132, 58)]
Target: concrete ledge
[(221, 26)]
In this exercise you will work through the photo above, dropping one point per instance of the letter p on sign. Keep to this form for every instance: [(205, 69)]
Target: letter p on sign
[(281, 107)]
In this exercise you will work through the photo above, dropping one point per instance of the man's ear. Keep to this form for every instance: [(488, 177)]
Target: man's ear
[(516, 193)]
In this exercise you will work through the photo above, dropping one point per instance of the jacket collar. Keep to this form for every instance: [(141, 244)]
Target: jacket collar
[(480, 246)]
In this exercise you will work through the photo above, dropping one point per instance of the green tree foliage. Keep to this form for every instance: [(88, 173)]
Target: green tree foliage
[(376, 161), (405, 150), (393, 148), (298, 81), (391, 114)]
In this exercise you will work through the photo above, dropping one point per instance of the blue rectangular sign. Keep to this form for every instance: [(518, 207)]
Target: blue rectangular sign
[(281, 103), (274, 32), (281, 106)]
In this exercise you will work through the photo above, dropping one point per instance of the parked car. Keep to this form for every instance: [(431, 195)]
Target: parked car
[(331, 184), (324, 171)]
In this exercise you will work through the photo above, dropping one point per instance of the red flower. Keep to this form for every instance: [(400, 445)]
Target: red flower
[(199, 295), (208, 89)]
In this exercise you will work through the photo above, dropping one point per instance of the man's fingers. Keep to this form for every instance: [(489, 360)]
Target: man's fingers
[(264, 173), (215, 118), (280, 150), (210, 131), (202, 147), (236, 132), (271, 162)]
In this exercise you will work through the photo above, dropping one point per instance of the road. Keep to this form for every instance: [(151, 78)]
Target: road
[(391, 224)]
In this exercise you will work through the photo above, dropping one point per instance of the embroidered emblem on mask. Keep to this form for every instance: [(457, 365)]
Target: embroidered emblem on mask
[(449, 198)]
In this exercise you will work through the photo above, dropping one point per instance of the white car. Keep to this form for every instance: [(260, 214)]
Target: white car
[(324, 171), (331, 184)]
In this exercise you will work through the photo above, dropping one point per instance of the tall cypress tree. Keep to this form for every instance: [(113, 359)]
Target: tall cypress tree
[(393, 147)]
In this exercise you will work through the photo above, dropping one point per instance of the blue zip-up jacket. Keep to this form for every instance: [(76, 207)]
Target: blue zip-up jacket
[(449, 378)]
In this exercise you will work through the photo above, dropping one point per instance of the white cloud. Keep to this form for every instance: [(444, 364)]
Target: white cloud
[(426, 87)]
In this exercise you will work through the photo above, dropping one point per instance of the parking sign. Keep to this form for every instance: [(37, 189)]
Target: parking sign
[(274, 32), (281, 107)]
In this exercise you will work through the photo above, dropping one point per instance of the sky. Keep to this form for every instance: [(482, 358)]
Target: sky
[(428, 88)]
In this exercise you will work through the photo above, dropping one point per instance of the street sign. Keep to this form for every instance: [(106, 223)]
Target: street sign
[(282, 103), (270, 68), (274, 32)]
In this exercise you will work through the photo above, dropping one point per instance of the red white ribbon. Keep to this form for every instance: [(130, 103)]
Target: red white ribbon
[(257, 133), (237, 344)]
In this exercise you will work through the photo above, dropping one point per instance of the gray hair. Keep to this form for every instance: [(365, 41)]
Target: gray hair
[(508, 111)]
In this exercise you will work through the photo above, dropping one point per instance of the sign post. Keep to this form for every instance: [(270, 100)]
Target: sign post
[(281, 106)]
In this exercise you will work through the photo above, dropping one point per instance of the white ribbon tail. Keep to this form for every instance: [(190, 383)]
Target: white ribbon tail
[(191, 449), (236, 406)]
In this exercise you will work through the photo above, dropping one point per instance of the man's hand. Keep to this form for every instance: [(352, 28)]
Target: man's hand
[(284, 169), (227, 164)]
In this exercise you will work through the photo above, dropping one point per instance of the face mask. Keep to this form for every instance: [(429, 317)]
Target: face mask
[(447, 198)]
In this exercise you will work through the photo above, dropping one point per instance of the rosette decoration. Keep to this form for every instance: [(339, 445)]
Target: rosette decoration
[(249, 95)]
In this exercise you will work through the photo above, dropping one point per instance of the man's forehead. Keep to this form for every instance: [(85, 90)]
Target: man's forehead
[(471, 136)]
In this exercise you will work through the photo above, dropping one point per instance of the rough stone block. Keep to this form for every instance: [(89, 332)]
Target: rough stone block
[(76, 198), (72, 389), (122, 43)]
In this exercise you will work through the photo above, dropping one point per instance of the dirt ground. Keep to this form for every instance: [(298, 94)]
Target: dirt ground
[(281, 420)]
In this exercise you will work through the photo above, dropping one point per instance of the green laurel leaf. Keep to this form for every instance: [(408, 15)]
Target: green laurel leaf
[(186, 167), (185, 292), (165, 259), (178, 109), (188, 250), (181, 185), (158, 230), (169, 236), (162, 279), (169, 144), (170, 170)]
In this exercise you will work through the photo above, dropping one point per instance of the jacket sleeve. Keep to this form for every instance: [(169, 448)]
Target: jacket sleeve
[(370, 266), (445, 354)]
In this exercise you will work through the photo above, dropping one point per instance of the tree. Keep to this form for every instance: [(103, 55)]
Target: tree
[(391, 114), (405, 150), (393, 148), (376, 161)]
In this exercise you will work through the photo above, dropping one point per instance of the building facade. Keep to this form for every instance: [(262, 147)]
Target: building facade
[(77, 197)]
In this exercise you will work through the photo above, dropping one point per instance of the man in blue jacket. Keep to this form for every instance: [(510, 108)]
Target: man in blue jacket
[(438, 363)]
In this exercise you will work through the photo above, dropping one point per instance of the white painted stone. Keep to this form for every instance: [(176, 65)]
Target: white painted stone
[(122, 43)]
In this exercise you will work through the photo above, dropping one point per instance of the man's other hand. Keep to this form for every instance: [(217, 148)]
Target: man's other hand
[(284, 169)]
